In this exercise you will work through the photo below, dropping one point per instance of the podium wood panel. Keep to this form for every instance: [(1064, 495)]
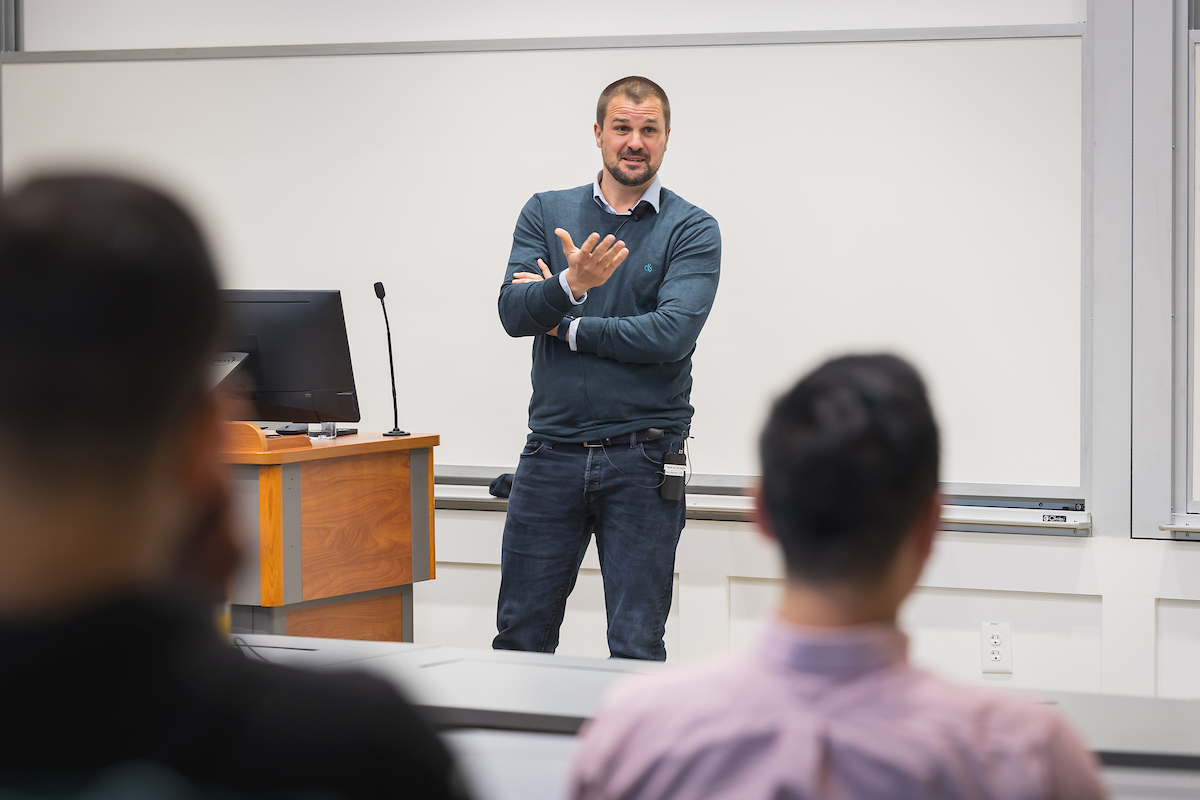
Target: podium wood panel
[(357, 524), (270, 533), (342, 525), (374, 618)]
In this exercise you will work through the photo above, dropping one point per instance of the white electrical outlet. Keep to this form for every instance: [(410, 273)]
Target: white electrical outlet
[(995, 639)]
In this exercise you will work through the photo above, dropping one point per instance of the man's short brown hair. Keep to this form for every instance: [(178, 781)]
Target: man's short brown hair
[(637, 89)]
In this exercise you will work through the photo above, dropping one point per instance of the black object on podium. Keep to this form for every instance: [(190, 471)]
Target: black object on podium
[(395, 431)]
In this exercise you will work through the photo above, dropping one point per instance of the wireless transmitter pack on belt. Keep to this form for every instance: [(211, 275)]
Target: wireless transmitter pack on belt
[(674, 469)]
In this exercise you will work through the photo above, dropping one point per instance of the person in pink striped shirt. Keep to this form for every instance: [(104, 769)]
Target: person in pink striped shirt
[(826, 705)]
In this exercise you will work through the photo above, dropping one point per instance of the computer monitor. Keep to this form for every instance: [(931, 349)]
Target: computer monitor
[(297, 367)]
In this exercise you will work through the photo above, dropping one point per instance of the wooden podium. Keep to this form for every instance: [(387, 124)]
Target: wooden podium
[(337, 531)]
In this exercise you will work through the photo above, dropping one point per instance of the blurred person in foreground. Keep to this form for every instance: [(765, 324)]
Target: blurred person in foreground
[(827, 705), (115, 532)]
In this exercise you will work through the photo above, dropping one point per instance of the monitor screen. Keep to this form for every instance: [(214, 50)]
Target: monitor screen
[(297, 366)]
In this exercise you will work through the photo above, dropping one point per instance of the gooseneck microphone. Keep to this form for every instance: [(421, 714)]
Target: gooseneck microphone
[(395, 431)]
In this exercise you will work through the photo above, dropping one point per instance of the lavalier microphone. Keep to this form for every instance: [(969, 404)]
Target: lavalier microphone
[(640, 210)]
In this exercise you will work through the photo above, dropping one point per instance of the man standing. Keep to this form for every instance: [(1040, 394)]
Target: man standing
[(612, 380), (827, 705)]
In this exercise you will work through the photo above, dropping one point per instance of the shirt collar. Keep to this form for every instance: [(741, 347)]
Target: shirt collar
[(842, 652), (651, 195)]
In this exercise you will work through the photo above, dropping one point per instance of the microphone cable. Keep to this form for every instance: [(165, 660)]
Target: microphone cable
[(635, 214)]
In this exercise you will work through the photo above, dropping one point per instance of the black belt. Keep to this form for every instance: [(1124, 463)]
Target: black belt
[(628, 439)]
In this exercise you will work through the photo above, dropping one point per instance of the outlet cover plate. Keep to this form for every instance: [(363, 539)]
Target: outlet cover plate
[(995, 647)]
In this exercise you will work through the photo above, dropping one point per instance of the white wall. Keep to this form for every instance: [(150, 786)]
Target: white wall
[(1107, 615), (118, 24)]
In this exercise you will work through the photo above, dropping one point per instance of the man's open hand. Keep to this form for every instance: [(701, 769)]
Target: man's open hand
[(591, 264)]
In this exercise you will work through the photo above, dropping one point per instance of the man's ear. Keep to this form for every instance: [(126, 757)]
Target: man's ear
[(597, 130), (761, 519)]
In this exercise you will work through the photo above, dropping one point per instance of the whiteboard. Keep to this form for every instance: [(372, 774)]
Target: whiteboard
[(120, 24), (922, 197)]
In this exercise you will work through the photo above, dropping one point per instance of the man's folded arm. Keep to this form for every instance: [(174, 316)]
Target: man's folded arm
[(530, 309), (685, 298)]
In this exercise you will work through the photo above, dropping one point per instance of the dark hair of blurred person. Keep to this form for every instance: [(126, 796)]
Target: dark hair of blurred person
[(827, 704), (115, 527), (858, 434)]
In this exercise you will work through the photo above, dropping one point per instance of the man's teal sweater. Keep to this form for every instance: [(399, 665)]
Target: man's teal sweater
[(637, 332)]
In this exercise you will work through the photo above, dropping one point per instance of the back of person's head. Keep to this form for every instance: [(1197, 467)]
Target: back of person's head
[(107, 320), (849, 462)]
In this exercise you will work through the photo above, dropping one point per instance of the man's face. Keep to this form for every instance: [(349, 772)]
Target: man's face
[(633, 140)]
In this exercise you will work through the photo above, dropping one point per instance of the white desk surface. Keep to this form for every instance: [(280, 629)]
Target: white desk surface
[(504, 709), (463, 687)]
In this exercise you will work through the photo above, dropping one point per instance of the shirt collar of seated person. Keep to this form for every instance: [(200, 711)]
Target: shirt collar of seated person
[(110, 475)]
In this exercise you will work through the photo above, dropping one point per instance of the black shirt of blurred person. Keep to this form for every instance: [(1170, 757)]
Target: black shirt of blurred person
[(115, 529), (144, 678)]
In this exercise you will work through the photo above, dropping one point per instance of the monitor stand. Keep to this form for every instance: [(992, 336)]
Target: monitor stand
[(330, 430), (326, 430)]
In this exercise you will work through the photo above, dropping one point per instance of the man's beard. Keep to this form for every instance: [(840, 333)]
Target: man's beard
[(624, 179)]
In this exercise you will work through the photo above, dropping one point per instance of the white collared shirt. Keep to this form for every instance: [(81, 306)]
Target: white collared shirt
[(652, 195)]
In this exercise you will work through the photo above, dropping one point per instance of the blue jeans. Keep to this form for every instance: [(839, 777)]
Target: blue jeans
[(561, 495)]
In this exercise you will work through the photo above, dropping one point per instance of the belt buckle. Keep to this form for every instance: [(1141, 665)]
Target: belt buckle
[(594, 444)]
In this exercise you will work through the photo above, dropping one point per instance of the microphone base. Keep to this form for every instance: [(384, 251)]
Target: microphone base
[(397, 432)]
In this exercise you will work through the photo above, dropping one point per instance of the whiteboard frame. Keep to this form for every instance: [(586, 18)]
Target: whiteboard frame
[(1184, 502), (1001, 492), (11, 27), (1155, 209), (1066, 30), (1164, 458)]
